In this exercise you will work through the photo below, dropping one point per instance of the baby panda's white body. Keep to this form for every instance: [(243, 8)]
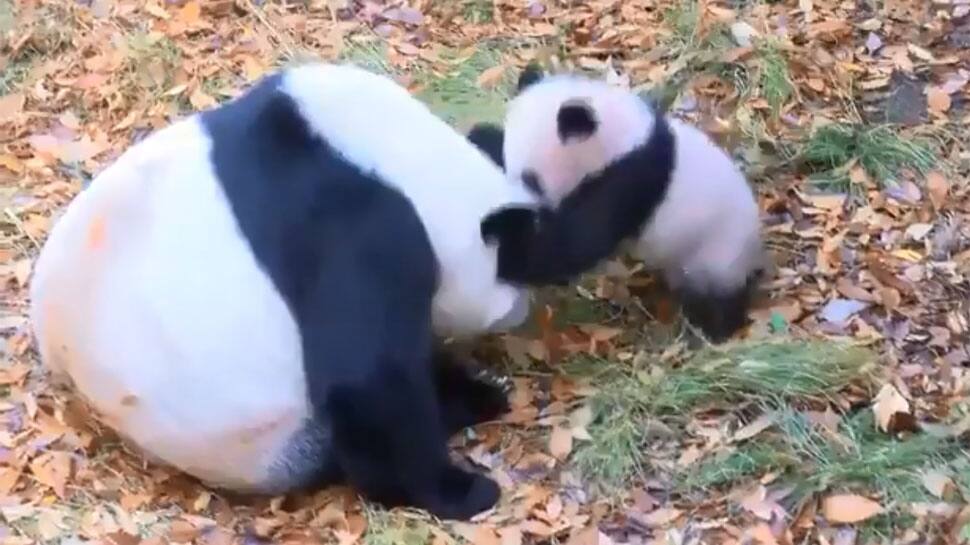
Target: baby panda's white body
[(613, 173), (708, 225), (226, 299)]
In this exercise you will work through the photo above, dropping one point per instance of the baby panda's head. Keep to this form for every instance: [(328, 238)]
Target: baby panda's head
[(612, 167), (560, 129)]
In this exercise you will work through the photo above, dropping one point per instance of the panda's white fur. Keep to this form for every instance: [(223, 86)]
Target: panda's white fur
[(147, 296), (704, 234), (452, 185)]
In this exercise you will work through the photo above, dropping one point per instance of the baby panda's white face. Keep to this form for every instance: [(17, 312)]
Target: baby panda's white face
[(565, 127)]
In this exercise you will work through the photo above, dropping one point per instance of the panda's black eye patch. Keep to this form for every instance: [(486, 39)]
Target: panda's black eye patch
[(575, 120), (531, 180)]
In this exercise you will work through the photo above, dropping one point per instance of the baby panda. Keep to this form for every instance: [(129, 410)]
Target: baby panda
[(612, 170), (254, 294)]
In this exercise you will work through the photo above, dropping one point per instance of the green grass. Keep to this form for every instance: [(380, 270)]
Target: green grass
[(726, 377), (775, 79), (369, 53), (859, 459), (882, 151), (456, 95), (478, 11), (389, 528)]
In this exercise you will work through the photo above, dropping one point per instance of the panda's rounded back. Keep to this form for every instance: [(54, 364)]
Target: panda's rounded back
[(149, 300), (377, 125)]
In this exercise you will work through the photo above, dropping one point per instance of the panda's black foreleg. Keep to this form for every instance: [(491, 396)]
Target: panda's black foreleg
[(371, 380), (466, 394)]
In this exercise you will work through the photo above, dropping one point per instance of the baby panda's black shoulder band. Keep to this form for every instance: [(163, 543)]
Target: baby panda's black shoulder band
[(552, 246)]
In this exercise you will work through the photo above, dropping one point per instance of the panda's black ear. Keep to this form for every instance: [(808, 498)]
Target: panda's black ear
[(532, 73), (576, 121)]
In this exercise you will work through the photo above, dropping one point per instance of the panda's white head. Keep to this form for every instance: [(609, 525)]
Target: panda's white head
[(566, 134)]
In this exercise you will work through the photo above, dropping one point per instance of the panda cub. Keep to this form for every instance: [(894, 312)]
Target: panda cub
[(611, 170), (253, 294)]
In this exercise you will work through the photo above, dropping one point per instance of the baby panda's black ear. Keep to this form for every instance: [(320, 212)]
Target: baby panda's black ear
[(576, 121), (532, 73)]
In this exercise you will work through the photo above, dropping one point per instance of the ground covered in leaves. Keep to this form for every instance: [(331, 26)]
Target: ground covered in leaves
[(841, 417)]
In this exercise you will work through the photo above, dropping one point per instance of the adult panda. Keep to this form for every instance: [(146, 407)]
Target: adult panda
[(611, 170), (252, 294)]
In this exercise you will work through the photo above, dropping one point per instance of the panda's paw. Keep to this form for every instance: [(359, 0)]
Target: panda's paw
[(471, 395), (509, 225), (463, 494), (487, 376)]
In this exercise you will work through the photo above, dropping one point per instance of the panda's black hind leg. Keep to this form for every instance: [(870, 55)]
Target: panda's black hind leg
[(468, 394)]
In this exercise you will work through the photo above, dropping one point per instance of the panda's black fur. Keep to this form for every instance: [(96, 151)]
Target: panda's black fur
[(343, 377)]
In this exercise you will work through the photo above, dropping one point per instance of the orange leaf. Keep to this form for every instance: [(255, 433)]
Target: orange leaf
[(478, 534), (52, 469), (937, 100), (561, 442), (11, 105), (190, 12), (938, 187), (491, 77), (849, 508)]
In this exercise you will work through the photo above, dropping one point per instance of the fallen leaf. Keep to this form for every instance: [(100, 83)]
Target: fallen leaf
[(849, 508), (887, 403), (561, 442), (757, 426), (491, 77), (936, 482), (478, 534), (11, 105), (660, 517), (937, 100), (190, 12), (53, 469), (762, 534), (937, 186), (510, 535), (839, 310)]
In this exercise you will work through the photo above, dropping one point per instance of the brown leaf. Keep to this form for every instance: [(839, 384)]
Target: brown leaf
[(849, 508), (762, 534), (491, 76), (937, 100), (510, 535), (937, 186), (661, 517), (886, 404), (182, 531), (10, 106), (190, 12), (561, 442), (52, 469), (478, 534)]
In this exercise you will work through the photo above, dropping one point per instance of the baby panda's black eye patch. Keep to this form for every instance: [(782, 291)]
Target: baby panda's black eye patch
[(531, 180)]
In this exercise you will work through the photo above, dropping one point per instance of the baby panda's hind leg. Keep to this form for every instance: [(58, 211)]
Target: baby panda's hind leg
[(467, 393)]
